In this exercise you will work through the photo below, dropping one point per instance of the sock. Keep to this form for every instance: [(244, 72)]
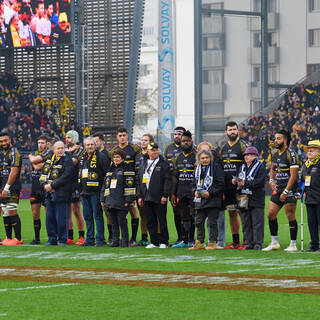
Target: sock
[(37, 227), (81, 234), (70, 234), (110, 231), (144, 237), (134, 228), (177, 222), (186, 225), (192, 229), (293, 226), (273, 225), (16, 224), (236, 238), (274, 238), (293, 243), (8, 226)]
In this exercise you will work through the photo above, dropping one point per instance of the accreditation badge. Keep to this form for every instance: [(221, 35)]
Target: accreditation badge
[(145, 178), (307, 181), (85, 173), (113, 183), (43, 178)]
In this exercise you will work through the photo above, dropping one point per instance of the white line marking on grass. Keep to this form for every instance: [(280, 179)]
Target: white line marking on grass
[(229, 264), (37, 287), (3, 314)]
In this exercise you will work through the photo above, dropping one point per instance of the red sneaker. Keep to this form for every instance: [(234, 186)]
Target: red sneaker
[(70, 241), (5, 241), (81, 240), (233, 245), (242, 246), (14, 242)]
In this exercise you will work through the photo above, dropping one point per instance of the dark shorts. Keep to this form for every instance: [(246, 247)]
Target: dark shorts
[(185, 208), (75, 196), (230, 196), (37, 197), (275, 198)]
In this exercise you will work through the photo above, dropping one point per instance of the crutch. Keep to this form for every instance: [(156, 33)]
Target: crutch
[(301, 185)]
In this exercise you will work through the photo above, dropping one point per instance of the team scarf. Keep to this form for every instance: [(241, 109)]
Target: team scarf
[(207, 180), (248, 174), (313, 162)]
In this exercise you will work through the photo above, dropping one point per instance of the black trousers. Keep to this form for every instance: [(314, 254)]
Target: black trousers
[(119, 219), (313, 211), (157, 213)]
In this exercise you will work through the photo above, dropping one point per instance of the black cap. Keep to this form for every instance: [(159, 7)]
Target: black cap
[(152, 145)]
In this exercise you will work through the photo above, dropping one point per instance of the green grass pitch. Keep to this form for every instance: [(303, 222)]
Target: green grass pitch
[(26, 299)]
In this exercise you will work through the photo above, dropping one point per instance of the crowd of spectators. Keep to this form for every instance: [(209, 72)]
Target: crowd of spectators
[(298, 113), (27, 116)]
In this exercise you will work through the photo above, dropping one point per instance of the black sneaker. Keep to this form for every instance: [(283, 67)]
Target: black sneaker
[(257, 247), (34, 242), (114, 244), (100, 244), (249, 247), (87, 244)]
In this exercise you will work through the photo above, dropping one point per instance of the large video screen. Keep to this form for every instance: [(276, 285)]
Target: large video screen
[(30, 23)]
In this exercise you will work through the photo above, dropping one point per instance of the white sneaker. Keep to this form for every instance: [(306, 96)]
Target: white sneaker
[(272, 246), (151, 246), (291, 248), (163, 246), (219, 247)]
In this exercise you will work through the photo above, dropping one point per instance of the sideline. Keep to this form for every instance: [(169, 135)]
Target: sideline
[(37, 287)]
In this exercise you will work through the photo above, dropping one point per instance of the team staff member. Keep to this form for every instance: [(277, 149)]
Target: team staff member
[(182, 185), (311, 178), (251, 188), (37, 159), (141, 158), (283, 182), (100, 143), (172, 150), (117, 195), (154, 187), (92, 169), (10, 190), (131, 151), (56, 177), (76, 151), (232, 159), (208, 186)]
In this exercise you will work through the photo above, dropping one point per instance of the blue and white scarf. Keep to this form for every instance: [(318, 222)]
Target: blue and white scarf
[(207, 180), (248, 174)]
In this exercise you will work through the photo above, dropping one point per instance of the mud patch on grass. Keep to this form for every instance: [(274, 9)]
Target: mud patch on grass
[(149, 278)]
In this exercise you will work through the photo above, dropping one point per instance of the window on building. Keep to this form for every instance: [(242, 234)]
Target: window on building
[(148, 31), (314, 5), (212, 109), (256, 74), (141, 119), (145, 69), (256, 40), (313, 68), (143, 93), (273, 74), (271, 5), (272, 39), (212, 43), (255, 106), (213, 76), (314, 38)]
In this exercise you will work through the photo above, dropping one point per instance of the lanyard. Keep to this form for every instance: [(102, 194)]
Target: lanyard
[(150, 166)]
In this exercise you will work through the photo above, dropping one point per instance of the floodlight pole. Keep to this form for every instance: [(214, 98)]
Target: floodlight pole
[(133, 67), (198, 12)]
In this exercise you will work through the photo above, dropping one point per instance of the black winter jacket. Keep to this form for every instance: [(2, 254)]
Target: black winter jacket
[(118, 187), (160, 182), (313, 191)]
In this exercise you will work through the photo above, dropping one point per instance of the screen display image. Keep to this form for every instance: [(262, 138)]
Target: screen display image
[(30, 23)]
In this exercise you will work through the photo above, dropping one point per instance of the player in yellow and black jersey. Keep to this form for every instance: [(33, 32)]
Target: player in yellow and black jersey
[(172, 150), (232, 159), (131, 151), (37, 196), (10, 189), (283, 182)]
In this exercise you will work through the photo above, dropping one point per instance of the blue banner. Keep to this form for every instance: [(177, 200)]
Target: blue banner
[(166, 73)]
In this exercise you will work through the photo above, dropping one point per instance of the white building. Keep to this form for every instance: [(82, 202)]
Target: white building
[(231, 57)]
